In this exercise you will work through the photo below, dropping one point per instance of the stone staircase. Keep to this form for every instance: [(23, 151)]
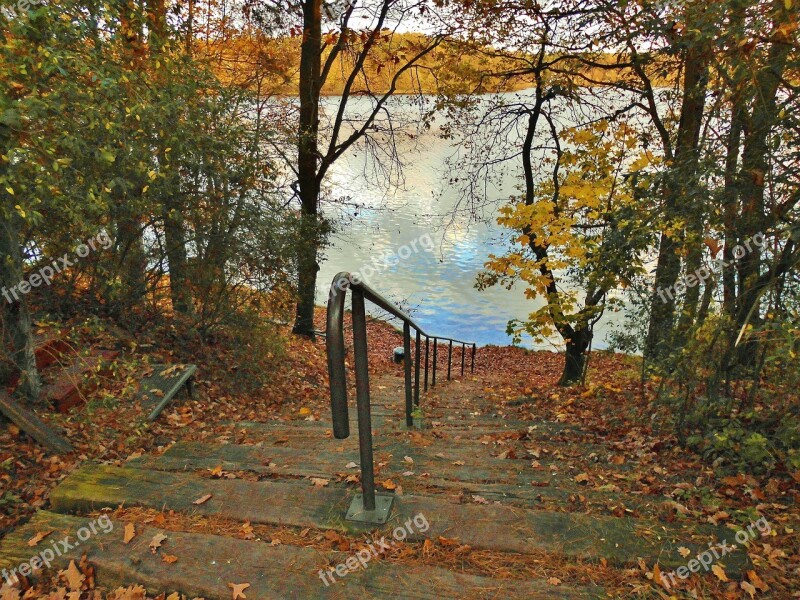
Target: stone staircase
[(468, 476)]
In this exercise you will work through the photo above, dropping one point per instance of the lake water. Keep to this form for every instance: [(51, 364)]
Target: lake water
[(438, 287)]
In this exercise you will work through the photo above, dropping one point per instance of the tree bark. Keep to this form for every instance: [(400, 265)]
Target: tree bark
[(308, 161), (175, 240), (679, 189), (575, 357), (17, 330)]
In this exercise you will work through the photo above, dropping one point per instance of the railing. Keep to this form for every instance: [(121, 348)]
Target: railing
[(365, 508)]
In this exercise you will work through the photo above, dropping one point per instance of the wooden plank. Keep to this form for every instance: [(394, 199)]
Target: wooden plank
[(621, 541), (28, 422), (326, 461), (526, 488), (206, 564), (168, 380)]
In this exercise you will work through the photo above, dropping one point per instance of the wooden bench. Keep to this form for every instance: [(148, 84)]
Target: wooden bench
[(162, 384)]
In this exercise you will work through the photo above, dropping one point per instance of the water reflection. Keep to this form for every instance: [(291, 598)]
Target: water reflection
[(437, 287)]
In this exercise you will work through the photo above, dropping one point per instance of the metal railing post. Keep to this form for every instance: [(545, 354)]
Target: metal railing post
[(449, 359), (435, 357), (474, 349), (417, 357), (407, 365), (427, 351), (334, 340), (463, 357), (362, 399)]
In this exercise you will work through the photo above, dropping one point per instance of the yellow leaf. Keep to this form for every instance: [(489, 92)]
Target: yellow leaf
[(10, 190), (719, 572), (130, 533), (304, 411), (38, 538), (748, 588)]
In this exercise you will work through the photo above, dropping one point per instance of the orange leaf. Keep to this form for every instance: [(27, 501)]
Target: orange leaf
[(238, 589), (130, 533), (38, 538)]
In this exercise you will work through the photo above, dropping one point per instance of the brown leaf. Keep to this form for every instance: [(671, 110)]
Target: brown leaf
[(448, 542), (38, 538), (554, 581), (247, 531), (238, 589), (216, 471), (659, 578), (317, 482), (203, 499), (169, 558), (748, 588), (130, 533), (757, 581), (582, 478), (719, 572), (73, 576), (389, 484), (156, 542)]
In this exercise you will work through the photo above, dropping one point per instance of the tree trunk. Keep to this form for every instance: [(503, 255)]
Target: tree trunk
[(679, 189), (308, 161), (175, 240), (575, 357), (17, 331), (755, 166)]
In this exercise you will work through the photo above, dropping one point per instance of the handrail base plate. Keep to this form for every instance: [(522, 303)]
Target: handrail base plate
[(379, 516)]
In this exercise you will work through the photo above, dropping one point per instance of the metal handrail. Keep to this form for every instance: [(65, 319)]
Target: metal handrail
[(336, 370)]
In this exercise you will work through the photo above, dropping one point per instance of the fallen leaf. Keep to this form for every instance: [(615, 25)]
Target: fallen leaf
[(658, 578), (350, 465), (719, 572), (247, 531), (302, 412), (582, 478), (169, 558), (156, 542), (203, 500), (684, 552), (38, 538), (130, 533), (74, 577), (554, 581), (748, 588), (447, 541), (238, 589), (757, 581), (317, 482), (389, 484), (216, 471), (408, 459)]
